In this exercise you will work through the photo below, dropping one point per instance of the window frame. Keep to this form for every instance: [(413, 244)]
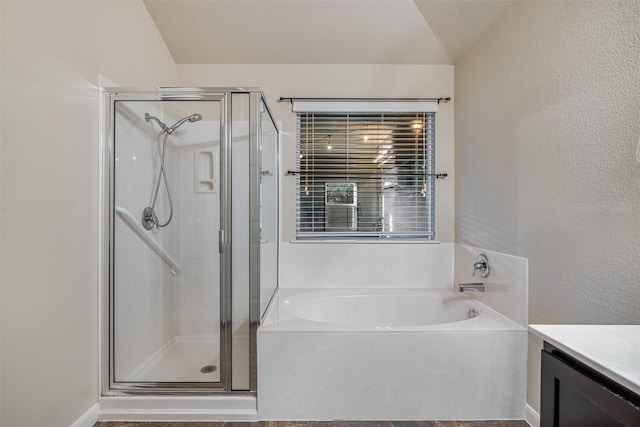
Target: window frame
[(427, 176)]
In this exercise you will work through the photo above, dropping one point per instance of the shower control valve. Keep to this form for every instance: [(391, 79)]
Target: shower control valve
[(481, 266), (149, 219)]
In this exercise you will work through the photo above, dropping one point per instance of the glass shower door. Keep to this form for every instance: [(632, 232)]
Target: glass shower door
[(165, 260), (268, 167)]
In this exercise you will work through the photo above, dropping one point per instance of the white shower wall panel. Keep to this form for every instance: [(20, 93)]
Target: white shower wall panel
[(360, 264), (197, 222), (507, 285)]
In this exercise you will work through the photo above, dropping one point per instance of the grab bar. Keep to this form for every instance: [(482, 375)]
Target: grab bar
[(131, 221)]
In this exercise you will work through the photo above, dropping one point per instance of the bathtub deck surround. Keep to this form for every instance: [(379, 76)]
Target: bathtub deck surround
[(506, 286), (323, 364), (366, 264), (379, 310), (322, 355)]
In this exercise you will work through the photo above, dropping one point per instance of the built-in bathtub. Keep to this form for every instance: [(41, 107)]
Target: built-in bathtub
[(388, 354)]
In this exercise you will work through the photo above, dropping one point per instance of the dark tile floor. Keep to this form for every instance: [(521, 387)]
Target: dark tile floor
[(320, 424)]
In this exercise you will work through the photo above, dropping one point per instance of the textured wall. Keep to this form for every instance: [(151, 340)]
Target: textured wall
[(52, 53), (547, 122)]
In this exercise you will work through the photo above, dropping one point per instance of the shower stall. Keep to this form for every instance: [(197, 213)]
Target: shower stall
[(190, 253)]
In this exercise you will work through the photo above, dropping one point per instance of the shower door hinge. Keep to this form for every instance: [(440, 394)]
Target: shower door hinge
[(221, 241)]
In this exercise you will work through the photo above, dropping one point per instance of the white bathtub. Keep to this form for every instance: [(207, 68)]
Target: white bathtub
[(388, 354), (379, 308)]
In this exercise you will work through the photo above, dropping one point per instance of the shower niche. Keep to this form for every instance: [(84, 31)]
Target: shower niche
[(190, 254)]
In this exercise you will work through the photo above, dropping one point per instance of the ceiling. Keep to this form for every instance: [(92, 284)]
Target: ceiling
[(322, 31)]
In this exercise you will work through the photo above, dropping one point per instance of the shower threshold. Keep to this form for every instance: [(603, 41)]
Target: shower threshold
[(180, 360), (178, 408)]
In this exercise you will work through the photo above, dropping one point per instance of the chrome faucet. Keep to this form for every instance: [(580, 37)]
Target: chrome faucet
[(478, 287), (481, 266)]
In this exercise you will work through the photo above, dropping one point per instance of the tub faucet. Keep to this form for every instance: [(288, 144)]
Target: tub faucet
[(478, 287)]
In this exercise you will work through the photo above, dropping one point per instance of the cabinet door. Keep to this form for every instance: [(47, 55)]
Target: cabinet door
[(575, 398)]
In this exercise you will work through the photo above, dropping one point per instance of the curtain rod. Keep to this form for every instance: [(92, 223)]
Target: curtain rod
[(292, 99)]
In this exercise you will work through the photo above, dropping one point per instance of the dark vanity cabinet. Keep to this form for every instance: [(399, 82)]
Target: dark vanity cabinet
[(575, 395)]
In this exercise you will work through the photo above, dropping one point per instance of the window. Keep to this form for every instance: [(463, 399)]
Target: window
[(365, 174), (341, 202)]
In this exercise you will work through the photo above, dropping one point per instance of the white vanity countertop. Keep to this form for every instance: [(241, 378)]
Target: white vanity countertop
[(613, 350)]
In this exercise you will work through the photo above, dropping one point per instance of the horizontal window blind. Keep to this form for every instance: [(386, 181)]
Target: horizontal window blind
[(365, 174)]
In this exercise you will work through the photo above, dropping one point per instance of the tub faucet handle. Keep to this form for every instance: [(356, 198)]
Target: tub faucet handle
[(481, 266)]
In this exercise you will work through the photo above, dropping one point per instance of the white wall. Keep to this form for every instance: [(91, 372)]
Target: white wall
[(547, 123), (52, 53), (339, 80)]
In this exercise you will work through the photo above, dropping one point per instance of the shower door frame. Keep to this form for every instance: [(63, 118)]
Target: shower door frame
[(109, 96)]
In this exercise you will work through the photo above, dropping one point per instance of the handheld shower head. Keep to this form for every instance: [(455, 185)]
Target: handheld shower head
[(149, 217), (192, 118)]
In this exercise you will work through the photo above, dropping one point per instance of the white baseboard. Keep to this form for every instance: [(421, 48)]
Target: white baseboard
[(89, 418), (531, 416)]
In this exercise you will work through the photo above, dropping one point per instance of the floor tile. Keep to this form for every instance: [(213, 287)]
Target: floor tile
[(511, 423), (413, 424)]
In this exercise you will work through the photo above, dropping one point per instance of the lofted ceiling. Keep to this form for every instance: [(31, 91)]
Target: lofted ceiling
[(322, 31)]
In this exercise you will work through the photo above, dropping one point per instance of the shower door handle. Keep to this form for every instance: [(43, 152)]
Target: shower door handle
[(221, 241)]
